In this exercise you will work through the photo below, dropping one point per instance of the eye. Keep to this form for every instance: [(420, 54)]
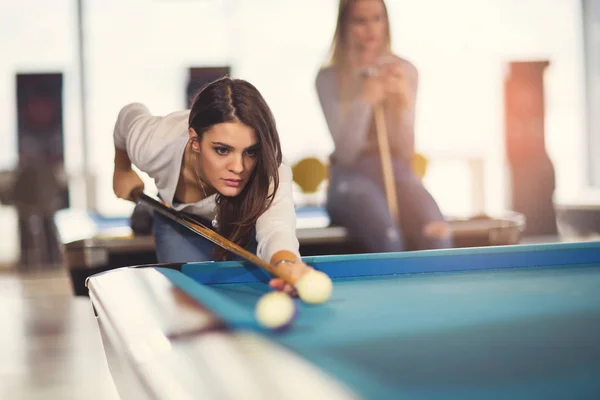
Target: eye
[(252, 152), (220, 150)]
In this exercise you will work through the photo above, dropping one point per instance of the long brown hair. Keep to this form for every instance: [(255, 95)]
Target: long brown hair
[(339, 52), (236, 100)]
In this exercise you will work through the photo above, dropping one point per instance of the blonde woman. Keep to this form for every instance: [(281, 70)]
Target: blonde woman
[(362, 74)]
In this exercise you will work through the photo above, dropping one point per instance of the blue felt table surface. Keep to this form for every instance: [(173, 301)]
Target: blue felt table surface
[(524, 324)]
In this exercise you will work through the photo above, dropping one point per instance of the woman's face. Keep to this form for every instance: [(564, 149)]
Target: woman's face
[(228, 157), (367, 25)]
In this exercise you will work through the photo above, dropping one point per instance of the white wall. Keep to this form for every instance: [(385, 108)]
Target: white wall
[(592, 39), (139, 50)]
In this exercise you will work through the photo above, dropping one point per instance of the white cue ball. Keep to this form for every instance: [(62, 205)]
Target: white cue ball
[(275, 310), (314, 287)]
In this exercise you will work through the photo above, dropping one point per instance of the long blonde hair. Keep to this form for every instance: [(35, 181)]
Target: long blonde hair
[(339, 52)]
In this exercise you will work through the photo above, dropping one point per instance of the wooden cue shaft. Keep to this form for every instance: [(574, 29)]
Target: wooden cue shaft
[(386, 163), (287, 272)]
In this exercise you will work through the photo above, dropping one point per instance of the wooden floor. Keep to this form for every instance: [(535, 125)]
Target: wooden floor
[(50, 346)]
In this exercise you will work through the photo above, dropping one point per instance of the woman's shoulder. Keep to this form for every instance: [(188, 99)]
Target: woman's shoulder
[(326, 73), (177, 119), (407, 65), (136, 110), (132, 110), (285, 172)]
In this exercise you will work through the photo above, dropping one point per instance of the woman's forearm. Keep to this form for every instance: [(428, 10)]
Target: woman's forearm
[(122, 161)]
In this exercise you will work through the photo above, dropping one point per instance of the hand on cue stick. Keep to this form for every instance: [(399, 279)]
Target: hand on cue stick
[(386, 163), (313, 286)]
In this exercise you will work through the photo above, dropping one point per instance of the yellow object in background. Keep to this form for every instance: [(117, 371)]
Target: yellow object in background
[(310, 172), (419, 165)]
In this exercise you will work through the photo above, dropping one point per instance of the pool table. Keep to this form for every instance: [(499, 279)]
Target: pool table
[(510, 322), (106, 250)]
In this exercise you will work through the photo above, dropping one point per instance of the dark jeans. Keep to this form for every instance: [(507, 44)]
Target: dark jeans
[(176, 243), (356, 200)]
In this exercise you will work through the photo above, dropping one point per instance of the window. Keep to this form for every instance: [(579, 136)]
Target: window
[(591, 29)]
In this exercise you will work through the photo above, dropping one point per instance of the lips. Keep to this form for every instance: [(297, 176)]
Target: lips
[(232, 182)]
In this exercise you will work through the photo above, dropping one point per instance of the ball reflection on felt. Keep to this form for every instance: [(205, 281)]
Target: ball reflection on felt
[(275, 310)]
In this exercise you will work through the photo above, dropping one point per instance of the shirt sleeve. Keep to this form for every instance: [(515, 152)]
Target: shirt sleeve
[(349, 127), (276, 227), (133, 132), (154, 144)]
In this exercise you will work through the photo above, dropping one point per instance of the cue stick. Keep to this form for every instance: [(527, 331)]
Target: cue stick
[(286, 274), (386, 163)]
